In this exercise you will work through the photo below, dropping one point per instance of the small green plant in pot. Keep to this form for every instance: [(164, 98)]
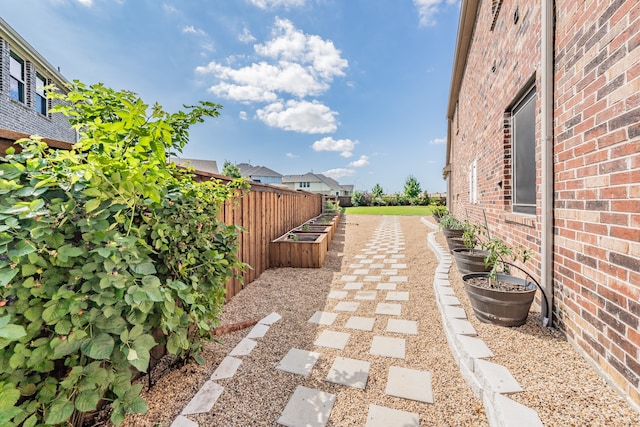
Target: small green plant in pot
[(497, 296)]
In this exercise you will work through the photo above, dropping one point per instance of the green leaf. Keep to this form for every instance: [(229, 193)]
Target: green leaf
[(9, 396), (92, 205), (60, 411), (31, 421), (99, 347), (144, 268), (138, 406), (21, 249), (12, 332), (65, 348), (6, 275), (87, 400)]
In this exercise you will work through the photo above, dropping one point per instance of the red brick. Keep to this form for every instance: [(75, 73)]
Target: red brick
[(619, 192), (631, 206), (631, 234), (614, 218)]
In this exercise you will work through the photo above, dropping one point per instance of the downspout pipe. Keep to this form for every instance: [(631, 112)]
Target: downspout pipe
[(546, 112)]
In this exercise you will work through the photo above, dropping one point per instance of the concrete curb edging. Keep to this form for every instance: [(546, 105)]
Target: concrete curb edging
[(488, 381)]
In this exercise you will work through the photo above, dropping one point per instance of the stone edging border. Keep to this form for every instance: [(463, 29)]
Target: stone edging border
[(488, 381)]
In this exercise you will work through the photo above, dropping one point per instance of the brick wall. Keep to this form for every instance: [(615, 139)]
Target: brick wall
[(597, 183), (596, 156), (23, 117)]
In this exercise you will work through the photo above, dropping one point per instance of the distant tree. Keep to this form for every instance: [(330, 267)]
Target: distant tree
[(356, 198), (412, 187), (377, 191), (229, 169)]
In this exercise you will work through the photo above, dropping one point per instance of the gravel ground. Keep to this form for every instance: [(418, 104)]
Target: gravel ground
[(558, 383)]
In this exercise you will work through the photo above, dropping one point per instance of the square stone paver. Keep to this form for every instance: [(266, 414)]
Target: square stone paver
[(244, 347), (372, 278), (388, 347), (399, 326), (386, 286), (352, 286), (347, 278), (307, 407), (366, 295), (367, 261), (398, 279), (355, 265), (227, 368), (182, 421), (398, 265), (347, 306), (349, 372), (361, 271), (298, 361), (378, 257), (258, 331), (204, 399), (378, 266), (389, 309), (332, 339), (323, 318), (389, 272), (409, 384), (397, 296), (270, 319), (360, 323), (381, 416), (397, 256), (337, 294)]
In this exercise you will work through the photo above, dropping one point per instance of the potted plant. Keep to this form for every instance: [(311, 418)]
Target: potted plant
[(451, 226), (438, 211), (497, 296), (470, 259)]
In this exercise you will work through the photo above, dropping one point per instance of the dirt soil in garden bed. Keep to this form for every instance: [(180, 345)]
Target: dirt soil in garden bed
[(559, 384), (499, 285)]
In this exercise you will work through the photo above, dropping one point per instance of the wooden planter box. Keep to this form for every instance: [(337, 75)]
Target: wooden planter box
[(311, 228), (308, 251)]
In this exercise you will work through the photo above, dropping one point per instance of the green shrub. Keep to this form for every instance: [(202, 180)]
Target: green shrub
[(103, 248)]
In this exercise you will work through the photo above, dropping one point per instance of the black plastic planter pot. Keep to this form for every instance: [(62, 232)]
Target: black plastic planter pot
[(470, 260), (498, 307)]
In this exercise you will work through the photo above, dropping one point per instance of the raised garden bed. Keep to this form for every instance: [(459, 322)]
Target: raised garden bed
[(300, 250)]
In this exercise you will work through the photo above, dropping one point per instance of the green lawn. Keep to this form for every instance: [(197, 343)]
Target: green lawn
[(389, 210)]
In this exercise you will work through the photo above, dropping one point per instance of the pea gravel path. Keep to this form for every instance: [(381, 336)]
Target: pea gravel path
[(557, 382)]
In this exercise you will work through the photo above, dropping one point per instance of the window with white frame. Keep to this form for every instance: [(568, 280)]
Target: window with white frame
[(523, 126), (17, 71), (304, 185), (41, 96)]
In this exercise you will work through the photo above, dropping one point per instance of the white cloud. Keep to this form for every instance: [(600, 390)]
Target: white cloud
[(193, 30), (169, 8), (427, 9), (362, 161), (292, 45), (87, 3), (243, 115), (292, 156), (284, 77), (246, 36), (266, 4), (346, 146), (438, 141), (339, 173), (299, 116), (291, 64)]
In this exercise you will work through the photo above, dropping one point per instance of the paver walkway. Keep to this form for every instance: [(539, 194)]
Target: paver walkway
[(379, 269), (378, 274)]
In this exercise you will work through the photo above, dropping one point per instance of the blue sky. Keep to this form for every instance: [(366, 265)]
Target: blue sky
[(354, 89)]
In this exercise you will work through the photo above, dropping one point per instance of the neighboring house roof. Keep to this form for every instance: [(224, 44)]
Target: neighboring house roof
[(200, 165), (316, 177), (248, 170)]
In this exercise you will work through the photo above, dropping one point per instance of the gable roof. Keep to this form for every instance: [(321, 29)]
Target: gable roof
[(313, 177), (248, 170), (200, 165)]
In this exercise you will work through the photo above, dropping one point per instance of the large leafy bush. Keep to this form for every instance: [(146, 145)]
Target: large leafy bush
[(105, 251)]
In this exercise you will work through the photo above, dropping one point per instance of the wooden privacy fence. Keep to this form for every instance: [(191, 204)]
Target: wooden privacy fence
[(266, 212)]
